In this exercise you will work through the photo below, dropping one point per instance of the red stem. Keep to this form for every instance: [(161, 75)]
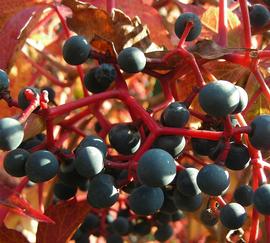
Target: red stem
[(76, 118), (81, 75), (46, 73), (246, 23), (34, 103), (146, 145), (76, 130), (116, 165), (110, 5), (263, 54), (67, 33), (191, 61), (73, 105), (50, 137), (267, 228), (255, 155), (105, 124), (44, 20), (198, 115), (63, 21), (222, 23), (40, 196), (103, 222), (191, 97), (221, 201), (254, 232), (168, 96), (211, 135), (184, 36)]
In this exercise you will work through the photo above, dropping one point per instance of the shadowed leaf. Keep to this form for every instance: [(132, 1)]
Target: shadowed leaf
[(103, 45), (148, 15), (208, 49), (15, 203), (117, 28), (67, 216), (11, 236), (228, 71)]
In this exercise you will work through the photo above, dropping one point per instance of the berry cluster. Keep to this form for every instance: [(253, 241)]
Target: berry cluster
[(138, 165)]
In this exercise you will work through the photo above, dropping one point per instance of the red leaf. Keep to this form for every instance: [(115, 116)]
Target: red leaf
[(11, 236), (15, 203), (67, 216), (14, 33)]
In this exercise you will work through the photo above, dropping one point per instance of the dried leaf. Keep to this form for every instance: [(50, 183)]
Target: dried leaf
[(148, 15), (117, 28), (67, 216), (11, 236), (103, 45), (15, 203), (208, 49)]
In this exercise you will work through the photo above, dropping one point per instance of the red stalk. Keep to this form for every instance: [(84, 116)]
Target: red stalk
[(222, 23), (246, 23), (67, 33), (110, 5), (184, 36)]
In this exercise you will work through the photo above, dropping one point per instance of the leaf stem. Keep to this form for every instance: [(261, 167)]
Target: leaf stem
[(110, 5), (246, 23), (223, 23)]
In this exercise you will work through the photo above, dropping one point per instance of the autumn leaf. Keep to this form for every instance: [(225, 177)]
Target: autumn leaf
[(214, 69), (210, 20), (15, 203), (68, 216), (148, 15), (211, 15), (261, 105), (117, 27), (222, 70), (15, 30), (101, 44), (11, 236), (208, 49), (10, 8)]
